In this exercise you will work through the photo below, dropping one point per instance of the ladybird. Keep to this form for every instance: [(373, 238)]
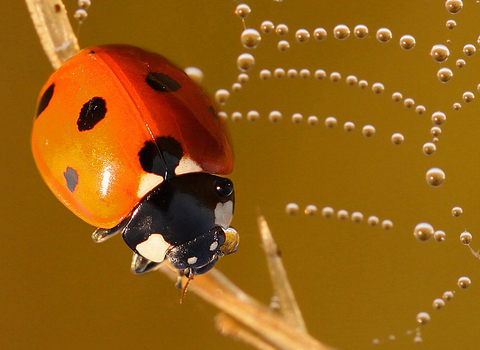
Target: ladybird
[(129, 143)]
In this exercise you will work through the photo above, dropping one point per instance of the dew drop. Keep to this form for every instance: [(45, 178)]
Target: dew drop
[(327, 212), (429, 148), (368, 131), (283, 45), (310, 210), (466, 238), (236, 87), (281, 29), (267, 27), (397, 139), (468, 96), (435, 131), (335, 77), (302, 35), (357, 217), (457, 106), (351, 80), (236, 116), (245, 62), (469, 50), (438, 304), (457, 211), (250, 38), (243, 10), (448, 295), (373, 221), (438, 118), (376, 341), (253, 116), (312, 120), (221, 96), (84, 4), (440, 236), (304, 74), (451, 24), (275, 116), (397, 97), (292, 209), (292, 73), (407, 42), (423, 231), (242, 78), (440, 53), (378, 88), (222, 115), (423, 318), (297, 118), (384, 35), (80, 15), (320, 74), (464, 282), (360, 31), (349, 126), (409, 102), (420, 109), (363, 84), (435, 177), (387, 225), (330, 122), (454, 6), (460, 63), (320, 34), (265, 74), (195, 74), (279, 73), (342, 214), (341, 32), (444, 74)]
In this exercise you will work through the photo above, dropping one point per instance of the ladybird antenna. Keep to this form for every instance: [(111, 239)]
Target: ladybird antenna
[(184, 289)]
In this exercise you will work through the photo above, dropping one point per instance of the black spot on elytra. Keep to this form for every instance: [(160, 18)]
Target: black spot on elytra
[(45, 100), (162, 82), (212, 110), (71, 177), (92, 112), (162, 157)]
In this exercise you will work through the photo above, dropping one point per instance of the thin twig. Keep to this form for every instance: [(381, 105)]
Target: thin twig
[(287, 302)]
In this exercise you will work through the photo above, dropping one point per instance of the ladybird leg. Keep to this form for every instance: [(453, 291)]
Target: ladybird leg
[(102, 234), (141, 265)]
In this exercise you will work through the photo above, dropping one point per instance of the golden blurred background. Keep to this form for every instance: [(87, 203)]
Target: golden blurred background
[(354, 283)]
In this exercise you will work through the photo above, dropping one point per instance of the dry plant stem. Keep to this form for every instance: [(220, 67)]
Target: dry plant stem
[(229, 327), (53, 27), (219, 291), (288, 304)]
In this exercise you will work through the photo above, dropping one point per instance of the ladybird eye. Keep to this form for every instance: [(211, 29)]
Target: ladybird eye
[(224, 187)]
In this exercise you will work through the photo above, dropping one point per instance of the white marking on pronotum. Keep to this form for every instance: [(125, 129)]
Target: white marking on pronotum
[(154, 248), (148, 182), (186, 166), (213, 246), (223, 214), (192, 260)]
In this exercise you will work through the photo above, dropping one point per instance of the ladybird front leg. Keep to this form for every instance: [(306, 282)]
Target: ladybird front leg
[(102, 234), (141, 265)]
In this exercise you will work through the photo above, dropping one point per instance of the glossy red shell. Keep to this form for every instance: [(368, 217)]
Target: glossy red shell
[(109, 178)]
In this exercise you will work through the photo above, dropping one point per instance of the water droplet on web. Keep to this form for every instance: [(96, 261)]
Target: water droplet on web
[(292, 73), (435, 131), (275, 116), (440, 236), (236, 116), (283, 45), (373, 221), (368, 131), (397, 139), (454, 6), (242, 78), (304, 74), (397, 97), (265, 74), (360, 31), (435, 177), (438, 118), (457, 211), (384, 35), (281, 29), (469, 50), (253, 116), (468, 96), (357, 217), (341, 32), (320, 74), (250, 38), (267, 27), (448, 295), (438, 304), (409, 102), (349, 126), (420, 109), (444, 74), (222, 115), (245, 62), (451, 24), (221, 96), (292, 209), (378, 88), (302, 35), (457, 106), (312, 120), (363, 84), (335, 77), (236, 87), (423, 318), (310, 210), (429, 148), (243, 10), (320, 34), (330, 122), (297, 118), (423, 231), (466, 238), (460, 63), (327, 212), (279, 73), (387, 225), (464, 282), (407, 42), (440, 53), (342, 214), (351, 80)]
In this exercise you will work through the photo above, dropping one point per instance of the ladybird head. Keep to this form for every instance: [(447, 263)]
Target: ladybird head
[(186, 220)]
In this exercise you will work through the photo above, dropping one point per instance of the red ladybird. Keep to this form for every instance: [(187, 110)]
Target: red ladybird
[(130, 143)]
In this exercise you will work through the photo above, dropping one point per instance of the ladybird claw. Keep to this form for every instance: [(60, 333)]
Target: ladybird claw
[(102, 234), (141, 265)]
